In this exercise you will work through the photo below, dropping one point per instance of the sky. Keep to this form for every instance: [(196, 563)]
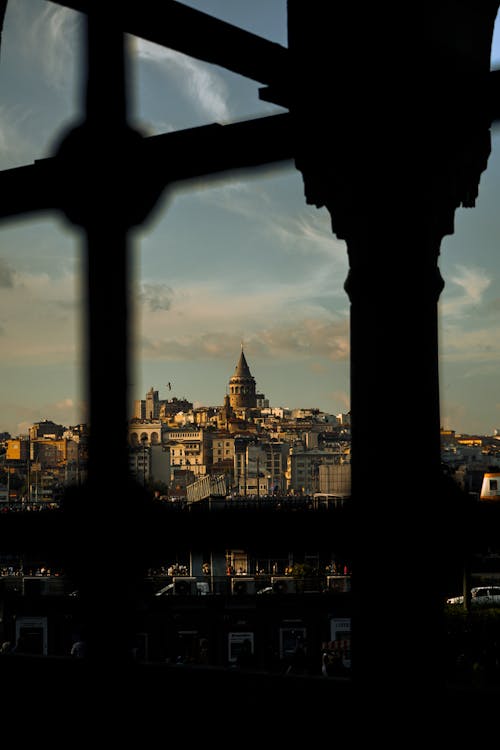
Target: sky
[(226, 263)]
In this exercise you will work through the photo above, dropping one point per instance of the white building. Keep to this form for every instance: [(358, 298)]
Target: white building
[(144, 431), (189, 450)]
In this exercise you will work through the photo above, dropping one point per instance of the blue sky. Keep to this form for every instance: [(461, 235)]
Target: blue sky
[(223, 262)]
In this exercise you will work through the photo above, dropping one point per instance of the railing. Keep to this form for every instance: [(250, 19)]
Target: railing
[(184, 585)]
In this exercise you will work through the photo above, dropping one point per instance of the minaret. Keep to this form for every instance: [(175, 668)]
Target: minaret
[(242, 386)]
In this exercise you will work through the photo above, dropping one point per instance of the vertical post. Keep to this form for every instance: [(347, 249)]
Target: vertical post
[(102, 191), (107, 251)]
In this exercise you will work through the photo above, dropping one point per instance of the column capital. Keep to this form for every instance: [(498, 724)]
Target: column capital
[(391, 109)]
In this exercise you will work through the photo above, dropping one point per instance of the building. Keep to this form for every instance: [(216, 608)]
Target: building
[(335, 478), (144, 431), (242, 387), (152, 407), (223, 453), (189, 450), (303, 466), (46, 428)]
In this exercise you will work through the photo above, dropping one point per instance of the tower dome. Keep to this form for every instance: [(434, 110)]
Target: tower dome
[(242, 394)]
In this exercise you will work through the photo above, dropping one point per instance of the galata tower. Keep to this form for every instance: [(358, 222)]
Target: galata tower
[(242, 393)]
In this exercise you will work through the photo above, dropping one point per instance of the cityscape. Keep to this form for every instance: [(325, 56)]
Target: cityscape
[(168, 560), (243, 448), (244, 452)]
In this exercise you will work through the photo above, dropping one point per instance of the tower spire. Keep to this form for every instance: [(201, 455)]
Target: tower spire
[(242, 385)]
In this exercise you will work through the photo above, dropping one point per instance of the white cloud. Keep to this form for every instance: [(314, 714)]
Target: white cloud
[(472, 283), (310, 235), (55, 37), (13, 145), (206, 89), (302, 239)]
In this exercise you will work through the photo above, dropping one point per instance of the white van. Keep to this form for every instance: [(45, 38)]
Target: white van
[(480, 596)]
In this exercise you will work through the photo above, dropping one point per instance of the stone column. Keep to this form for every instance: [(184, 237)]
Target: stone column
[(392, 134)]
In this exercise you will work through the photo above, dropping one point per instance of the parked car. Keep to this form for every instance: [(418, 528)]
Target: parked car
[(480, 596)]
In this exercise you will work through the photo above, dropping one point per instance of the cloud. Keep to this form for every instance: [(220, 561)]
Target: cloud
[(472, 282), (55, 36), (66, 412), (156, 297), (6, 275), (66, 403), (205, 87), (295, 233), (299, 339), (477, 346), (225, 305), (310, 231), (13, 145), (470, 327), (493, 306), (40, 322), (299, 230), (308, 337)]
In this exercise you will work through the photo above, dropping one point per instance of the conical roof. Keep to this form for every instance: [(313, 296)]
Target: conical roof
[(242, 370)]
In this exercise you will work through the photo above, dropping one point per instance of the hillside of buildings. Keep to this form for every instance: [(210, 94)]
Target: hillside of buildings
[(242, 448)]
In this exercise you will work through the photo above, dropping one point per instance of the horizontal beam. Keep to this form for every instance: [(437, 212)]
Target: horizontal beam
[(164, 159), (199, 35), (212, 149), (54, 534)]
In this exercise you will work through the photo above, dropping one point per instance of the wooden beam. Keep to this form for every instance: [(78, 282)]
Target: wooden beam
[(166, 158), (199, 35)]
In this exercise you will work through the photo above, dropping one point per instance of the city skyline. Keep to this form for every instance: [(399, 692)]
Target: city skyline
[(224, 261)]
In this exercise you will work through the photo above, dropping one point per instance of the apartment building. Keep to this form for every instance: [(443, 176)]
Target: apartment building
[(189, 450), (302, 472)]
